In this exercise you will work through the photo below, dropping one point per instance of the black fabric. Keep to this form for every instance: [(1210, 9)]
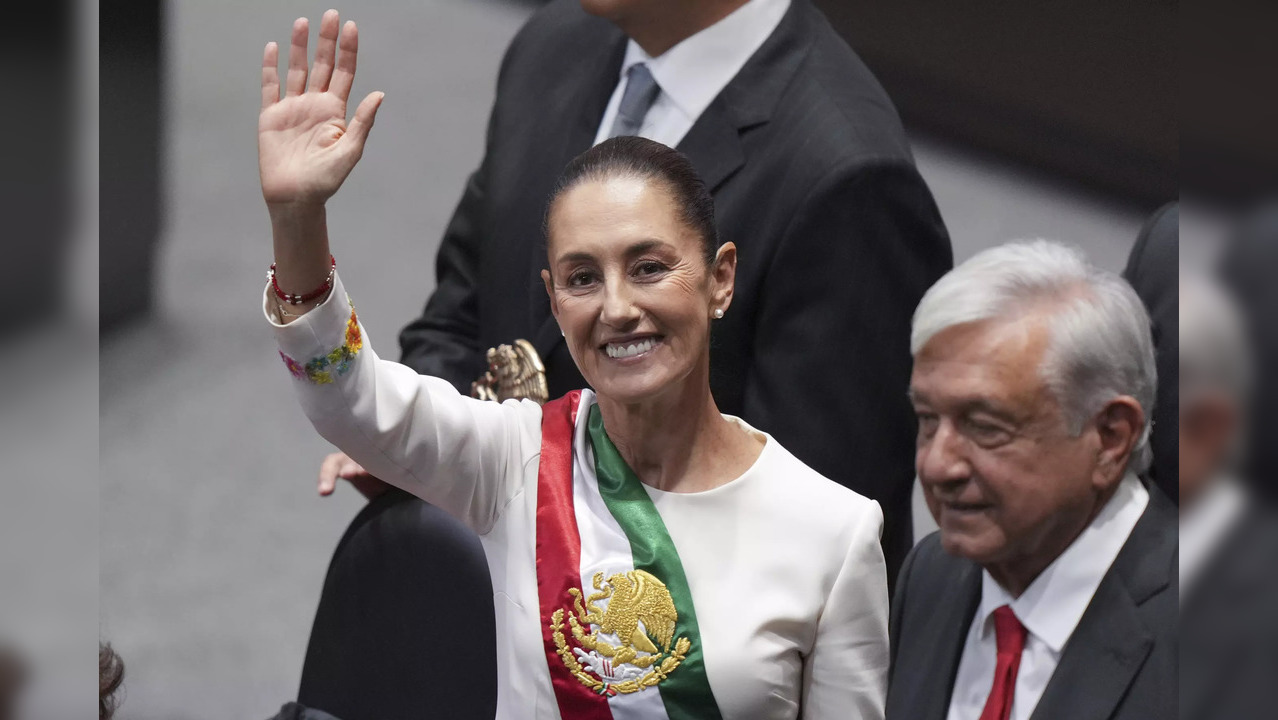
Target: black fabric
[(838, 239), (1153, 269), (1120, 663), (404, 628), (1229, 631), (1250, 266), (295, 711)]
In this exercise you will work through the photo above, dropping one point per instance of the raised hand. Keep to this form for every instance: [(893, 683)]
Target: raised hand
[(305, 148)]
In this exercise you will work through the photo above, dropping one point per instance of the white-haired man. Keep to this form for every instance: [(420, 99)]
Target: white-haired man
[(1228, 538), (1050, 589)]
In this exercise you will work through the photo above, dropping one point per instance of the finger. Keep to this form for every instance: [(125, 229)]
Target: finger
[(297, 58), (328, 473), (365, 114), (349, 469), (325, 51), (270, 75), (348, 50)]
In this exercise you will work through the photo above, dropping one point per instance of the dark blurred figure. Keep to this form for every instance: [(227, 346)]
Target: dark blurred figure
[(1228, 539), (110, 678), (1153, 270), (404, 622), (1249, 268), (12, 677)]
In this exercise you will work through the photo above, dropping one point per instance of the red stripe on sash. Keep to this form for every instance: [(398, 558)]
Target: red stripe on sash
[(559, 552)]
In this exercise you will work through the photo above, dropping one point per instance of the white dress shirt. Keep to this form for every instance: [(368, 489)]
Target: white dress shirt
[(694, 72), (1050, 609), (1204, 525)]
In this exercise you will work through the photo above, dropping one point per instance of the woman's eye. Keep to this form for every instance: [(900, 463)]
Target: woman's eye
[(649, 267), (580, 278)]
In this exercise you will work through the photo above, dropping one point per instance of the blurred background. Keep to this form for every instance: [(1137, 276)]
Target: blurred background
[(1028, 120)]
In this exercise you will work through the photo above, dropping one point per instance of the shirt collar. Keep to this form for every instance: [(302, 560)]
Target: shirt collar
[(694, 72), (1052, 605)]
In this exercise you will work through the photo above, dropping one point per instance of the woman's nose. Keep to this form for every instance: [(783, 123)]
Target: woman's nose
[(619, 309)]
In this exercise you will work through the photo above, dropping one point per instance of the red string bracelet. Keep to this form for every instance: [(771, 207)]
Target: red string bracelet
[(293, 299)]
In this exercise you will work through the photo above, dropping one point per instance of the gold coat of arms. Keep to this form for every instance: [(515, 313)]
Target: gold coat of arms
[(629, 644), (514, 372)]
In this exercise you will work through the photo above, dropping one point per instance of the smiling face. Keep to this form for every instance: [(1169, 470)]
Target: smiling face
[(631, 289), (1008, 482)]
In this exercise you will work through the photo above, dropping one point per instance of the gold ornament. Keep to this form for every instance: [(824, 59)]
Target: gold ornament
[(643, 656), (514, 372)]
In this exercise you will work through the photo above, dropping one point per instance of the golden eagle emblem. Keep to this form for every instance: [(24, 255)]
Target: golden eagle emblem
[(514, 371), (640, 615)]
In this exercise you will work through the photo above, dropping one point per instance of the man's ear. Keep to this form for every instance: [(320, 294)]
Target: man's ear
[(723, 276), (1119, 425), (550, 291)]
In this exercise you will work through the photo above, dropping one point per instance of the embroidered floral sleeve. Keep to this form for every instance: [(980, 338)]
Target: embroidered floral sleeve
[(321, 368)]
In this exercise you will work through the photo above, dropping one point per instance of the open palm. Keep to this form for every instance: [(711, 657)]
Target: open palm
[(305, 147)]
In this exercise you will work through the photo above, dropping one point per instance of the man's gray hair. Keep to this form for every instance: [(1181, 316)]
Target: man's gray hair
[(1215, 352), (1101, 346)]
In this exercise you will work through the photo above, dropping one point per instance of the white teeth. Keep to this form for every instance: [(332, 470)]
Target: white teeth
[(624, 351)]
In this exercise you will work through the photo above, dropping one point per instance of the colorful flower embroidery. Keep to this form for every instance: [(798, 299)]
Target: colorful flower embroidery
[(321, 369)]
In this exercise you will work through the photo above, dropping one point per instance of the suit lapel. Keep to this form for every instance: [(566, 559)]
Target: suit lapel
[(1111, 642), (936, 644)]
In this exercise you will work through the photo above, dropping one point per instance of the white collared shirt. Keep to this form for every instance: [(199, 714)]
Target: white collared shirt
[(694, 72), (1050, 609), (1204, 525)]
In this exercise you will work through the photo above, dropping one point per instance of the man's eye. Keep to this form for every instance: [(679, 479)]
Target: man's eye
[(986, 434), (928, 423)]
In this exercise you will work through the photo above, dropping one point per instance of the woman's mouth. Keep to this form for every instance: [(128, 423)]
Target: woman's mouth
[(631, 348)]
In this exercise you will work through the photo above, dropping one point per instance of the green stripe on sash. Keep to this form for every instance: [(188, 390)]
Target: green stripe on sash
[(686, 691)]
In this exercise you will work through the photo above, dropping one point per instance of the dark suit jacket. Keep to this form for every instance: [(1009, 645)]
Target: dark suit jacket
[(1229, 631), (1153, 269), (1120, 663), (813, 180)]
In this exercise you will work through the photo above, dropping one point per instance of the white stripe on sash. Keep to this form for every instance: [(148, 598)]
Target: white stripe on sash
[(604, 548)]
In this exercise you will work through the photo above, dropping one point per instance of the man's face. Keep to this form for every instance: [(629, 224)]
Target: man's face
[(1209, 425), (1001, 472)]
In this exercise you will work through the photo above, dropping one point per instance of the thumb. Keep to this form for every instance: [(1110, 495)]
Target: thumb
[(365, 114)]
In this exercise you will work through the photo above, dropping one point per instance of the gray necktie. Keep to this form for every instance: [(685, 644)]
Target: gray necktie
[(641, 92)]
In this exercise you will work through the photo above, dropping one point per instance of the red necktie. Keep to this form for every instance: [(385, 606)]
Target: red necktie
[(1009, 634)]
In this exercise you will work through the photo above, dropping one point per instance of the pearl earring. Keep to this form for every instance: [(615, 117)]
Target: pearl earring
[(718, 313)]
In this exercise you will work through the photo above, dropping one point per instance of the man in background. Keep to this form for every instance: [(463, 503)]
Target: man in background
[(1228, 535)]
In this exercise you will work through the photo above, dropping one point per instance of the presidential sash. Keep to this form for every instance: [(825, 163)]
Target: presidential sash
[(618, 622)]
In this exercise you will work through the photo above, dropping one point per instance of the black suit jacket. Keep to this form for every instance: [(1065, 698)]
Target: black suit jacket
[(1153, 269), (812, 178), (1120, 663)]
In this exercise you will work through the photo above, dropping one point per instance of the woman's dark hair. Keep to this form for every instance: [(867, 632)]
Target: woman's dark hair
[(110, 677), (637, 157)]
